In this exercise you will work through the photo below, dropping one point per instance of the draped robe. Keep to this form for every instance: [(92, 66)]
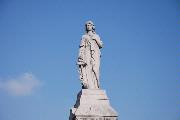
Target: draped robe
[(89, 61)]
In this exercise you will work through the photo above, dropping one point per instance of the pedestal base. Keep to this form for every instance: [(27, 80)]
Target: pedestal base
[(92, 104)]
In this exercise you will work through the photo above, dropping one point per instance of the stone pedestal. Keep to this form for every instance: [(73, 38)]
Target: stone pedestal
[(92, 104)]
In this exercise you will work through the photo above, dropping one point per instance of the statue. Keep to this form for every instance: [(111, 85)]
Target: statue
[(92, 103), (89, 57)]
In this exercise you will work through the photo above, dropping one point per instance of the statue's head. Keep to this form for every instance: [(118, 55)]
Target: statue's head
[(90, 26)]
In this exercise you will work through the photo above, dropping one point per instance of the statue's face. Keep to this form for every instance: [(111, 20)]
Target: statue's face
[(89, 27)]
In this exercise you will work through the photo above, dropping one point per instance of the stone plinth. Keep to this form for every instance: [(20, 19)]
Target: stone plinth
[(92, 104)]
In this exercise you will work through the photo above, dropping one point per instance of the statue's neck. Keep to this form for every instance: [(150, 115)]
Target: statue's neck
[(90, 33)]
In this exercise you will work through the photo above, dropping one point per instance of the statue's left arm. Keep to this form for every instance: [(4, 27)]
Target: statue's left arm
[(98, 41)]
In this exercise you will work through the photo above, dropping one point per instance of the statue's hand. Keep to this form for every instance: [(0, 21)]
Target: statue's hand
[(81, 62), (98, 41), (94, 37)]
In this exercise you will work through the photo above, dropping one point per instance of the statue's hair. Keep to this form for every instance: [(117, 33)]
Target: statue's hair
[(93, 26)]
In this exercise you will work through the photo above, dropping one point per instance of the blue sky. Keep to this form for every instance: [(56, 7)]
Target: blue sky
[(140, 60)]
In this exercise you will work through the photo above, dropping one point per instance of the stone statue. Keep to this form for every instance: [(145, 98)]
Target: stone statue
[(89, 57), (92, 103)]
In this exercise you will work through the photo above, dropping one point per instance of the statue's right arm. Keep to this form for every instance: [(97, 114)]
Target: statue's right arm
[(81, 52), (83, 39)]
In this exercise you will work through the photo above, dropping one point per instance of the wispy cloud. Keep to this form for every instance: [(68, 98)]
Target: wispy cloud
[(21, 85)]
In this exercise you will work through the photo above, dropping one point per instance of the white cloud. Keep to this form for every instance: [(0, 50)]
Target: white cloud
[(22, 85)]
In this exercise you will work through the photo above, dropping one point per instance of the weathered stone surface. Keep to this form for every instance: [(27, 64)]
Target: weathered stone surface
[(92, 104), (89, 57)]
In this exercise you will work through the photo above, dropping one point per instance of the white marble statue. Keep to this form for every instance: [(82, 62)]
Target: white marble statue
[(89, 57), (92, 102)]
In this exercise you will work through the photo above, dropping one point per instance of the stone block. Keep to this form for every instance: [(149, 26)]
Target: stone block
[(92, 104)]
